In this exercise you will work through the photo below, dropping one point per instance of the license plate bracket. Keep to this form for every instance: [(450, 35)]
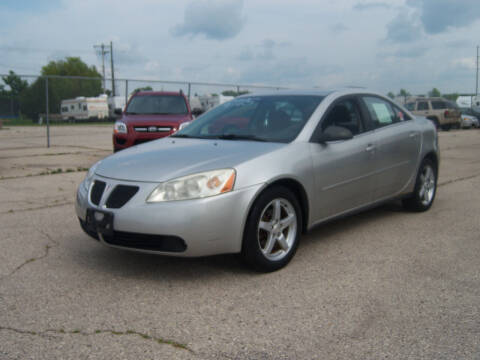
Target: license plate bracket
[(100, 221)]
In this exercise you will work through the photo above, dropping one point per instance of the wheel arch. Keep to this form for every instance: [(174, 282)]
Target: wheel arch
[(434, 119), (297, 189), (432, 156)]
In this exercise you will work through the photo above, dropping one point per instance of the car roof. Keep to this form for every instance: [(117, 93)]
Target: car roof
[(168, 93), (315, 92)]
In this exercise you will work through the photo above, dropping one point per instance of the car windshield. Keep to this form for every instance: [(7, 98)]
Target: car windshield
[(277, 118), (157, 104)]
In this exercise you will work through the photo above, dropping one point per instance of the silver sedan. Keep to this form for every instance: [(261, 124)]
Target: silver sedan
[(253, 174)]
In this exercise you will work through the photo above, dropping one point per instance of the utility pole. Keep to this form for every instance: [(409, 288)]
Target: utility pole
[(103, 52), (111, 68), (476, 81)]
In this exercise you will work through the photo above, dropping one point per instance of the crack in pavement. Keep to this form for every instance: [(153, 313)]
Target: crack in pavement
[(57, 171), (448, 182), (33, 259), (45, 333), (12, 211)]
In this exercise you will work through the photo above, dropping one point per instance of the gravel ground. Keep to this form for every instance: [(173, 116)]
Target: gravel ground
[(382, 284)]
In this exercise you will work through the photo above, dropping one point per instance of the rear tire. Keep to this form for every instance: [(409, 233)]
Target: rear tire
[(273, 229), (425, 188)]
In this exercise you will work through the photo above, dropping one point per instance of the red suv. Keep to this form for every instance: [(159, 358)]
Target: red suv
[(150, 115)]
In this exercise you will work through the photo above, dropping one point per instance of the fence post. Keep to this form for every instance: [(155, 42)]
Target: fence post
[(46, 112), (126, 92), (189, 88)]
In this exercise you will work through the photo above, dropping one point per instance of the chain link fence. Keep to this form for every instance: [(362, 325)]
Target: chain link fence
[(58, 100)]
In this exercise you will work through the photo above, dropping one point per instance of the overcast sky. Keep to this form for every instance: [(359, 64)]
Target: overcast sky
[(384, 45)]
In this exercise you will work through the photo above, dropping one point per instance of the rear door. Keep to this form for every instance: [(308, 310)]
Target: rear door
[(397, 146)]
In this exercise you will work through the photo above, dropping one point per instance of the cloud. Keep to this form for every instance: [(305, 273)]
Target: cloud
[(438, 16), (265, 50), (370, 6), (215, 19), (413, 52), (338, 28), (287, 72), (246, 55), (404, 28), (467, 63)]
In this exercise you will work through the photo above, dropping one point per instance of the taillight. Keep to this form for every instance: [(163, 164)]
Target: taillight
[(447, 113)]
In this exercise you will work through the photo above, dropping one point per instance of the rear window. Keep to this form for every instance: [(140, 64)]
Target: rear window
[(157, 105), (410, 106)]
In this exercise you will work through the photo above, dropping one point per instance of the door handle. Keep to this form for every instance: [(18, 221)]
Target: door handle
[(370, 148)]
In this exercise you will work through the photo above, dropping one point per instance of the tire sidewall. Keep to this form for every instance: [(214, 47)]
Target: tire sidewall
[(251, 251)]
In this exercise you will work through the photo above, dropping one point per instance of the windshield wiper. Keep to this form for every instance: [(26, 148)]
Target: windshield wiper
[(239, 137)]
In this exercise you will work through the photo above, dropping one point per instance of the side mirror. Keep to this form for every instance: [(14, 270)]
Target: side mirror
[(196, 112), (334, 133), (117, 111)]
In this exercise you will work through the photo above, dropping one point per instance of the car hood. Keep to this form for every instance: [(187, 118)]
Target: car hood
[(169, 158), (154, 119)]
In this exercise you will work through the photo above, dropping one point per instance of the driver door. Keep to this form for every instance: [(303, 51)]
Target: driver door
[(343, 169)]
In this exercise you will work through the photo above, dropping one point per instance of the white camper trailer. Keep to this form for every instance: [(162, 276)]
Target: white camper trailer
[(115, 103), (82, 108)]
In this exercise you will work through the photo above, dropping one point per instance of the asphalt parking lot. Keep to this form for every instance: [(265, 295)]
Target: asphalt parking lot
[(382, 284)]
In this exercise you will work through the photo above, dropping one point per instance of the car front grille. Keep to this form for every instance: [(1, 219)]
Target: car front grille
[(152, 129), (97, 191), (165, 243), (120, 196)]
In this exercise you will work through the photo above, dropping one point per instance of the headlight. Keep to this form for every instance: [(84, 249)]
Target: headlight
[(194, 186), (182, 125), (88, 179), (120, 127)]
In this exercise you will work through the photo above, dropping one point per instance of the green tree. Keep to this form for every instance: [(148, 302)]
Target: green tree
[(145, 88), (451, 97), (405, 94), (33, 98), (9, 99), (16, 84), (234, 93), (391, 95), (434, 93)]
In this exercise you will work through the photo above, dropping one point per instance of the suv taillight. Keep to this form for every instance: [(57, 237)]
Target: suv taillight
[(446, 113)]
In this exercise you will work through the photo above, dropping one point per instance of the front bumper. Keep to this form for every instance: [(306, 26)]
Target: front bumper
[(123, 141), (207, 226)]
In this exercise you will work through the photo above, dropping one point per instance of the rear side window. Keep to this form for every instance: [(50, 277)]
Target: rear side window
[(438, 105), (381, 112), (410, 106), (422, 105)]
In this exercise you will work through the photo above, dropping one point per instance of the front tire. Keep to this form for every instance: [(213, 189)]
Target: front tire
[(425, 188), (273, 229)]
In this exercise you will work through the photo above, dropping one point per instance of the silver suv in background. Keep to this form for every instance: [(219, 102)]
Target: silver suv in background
[(442, 112)]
